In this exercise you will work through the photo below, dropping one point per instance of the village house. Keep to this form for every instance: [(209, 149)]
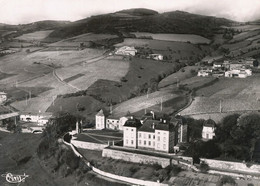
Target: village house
[(106, 121), (205, 72), (40, 118), (3, 97), (158, 57), (126, 51), (208, 131)]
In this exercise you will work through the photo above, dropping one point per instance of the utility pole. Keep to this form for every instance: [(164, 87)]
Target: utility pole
[(161, 105), (53, 99), (220, 105)]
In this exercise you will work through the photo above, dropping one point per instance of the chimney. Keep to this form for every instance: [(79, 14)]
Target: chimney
[(152, 114)]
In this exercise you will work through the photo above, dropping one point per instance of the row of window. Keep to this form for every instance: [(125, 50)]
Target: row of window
[(131, 129), (151, 144), (131, 142)]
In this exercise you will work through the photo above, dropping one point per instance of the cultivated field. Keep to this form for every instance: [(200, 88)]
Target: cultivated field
[(188, 72), (234, 95), (75, 41), (35, 36), (244, 35), (195, 39), (171, 49), (142, 102), (245, 27)]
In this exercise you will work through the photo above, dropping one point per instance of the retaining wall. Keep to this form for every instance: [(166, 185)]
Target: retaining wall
[(137, 158), (88, 145), (236, 166)]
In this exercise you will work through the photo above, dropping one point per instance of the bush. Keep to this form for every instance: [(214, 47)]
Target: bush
[(227, 180), (204, 167)]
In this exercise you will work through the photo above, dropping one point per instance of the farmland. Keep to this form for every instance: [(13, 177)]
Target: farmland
[(84, 38), (173, 51), (38, 36), (234, 95), (195, 39)]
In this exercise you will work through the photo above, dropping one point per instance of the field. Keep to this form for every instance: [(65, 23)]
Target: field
[(172, 50), (90, 105), (35, 36), (195, 39), (84, 38), (229, 95), (244, 35), (140, 72), (245, 27), (178, 76), (142, 102), (109, 68)]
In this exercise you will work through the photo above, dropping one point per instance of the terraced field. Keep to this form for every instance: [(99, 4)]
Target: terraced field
[(195, 39), (39, 35), (234, 95), (143, 102)]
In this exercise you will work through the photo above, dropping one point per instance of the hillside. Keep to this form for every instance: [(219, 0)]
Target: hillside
[(143, 20)]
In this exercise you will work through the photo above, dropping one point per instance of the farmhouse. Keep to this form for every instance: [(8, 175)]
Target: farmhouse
[(205, 72), (3, 97), (40, 118), (106, 121), (126, 51), (158, 57), (208, 131)]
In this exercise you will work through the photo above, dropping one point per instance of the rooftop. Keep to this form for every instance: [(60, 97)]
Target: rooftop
[(209, 123), (149, 125), (133, 123)]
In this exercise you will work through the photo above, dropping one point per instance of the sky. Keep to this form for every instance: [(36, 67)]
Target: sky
[(27, 11)]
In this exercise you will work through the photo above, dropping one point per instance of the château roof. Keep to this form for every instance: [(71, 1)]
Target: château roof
[(133, 123), (209, 123), (100, 113)]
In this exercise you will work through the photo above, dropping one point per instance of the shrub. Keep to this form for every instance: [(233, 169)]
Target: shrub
[(227, 180), (204, 167)]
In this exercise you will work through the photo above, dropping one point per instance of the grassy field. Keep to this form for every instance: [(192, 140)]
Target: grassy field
[(35, 36), (75, 41), (195, 39), (184, 73), (109, 68), (91, 105), (140, 71)]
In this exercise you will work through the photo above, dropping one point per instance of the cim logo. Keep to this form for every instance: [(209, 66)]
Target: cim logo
[(11, 178)]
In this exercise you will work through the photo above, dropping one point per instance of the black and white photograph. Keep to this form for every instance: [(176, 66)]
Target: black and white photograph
[(129, 93)]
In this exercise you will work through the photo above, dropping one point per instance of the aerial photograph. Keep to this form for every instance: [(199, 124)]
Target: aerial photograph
[(129, 93)]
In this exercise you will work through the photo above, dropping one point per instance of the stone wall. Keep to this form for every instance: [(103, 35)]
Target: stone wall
[(88, 145), (227, 165), (137, 158)]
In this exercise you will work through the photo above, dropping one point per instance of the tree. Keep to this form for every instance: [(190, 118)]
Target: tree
[(227, 180), (204, 167)]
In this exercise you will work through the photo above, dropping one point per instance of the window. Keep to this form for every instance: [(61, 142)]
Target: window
[(126, 129), (149, 136), (144, 135), (158, 138), (132, 142), (158, 132), (140, 135), (132, 130), (140, 142), (164, 139), (149, 143), (144, 142), (126, 141), (158, 145), (153, 136), (164, 146), (153, 144)]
